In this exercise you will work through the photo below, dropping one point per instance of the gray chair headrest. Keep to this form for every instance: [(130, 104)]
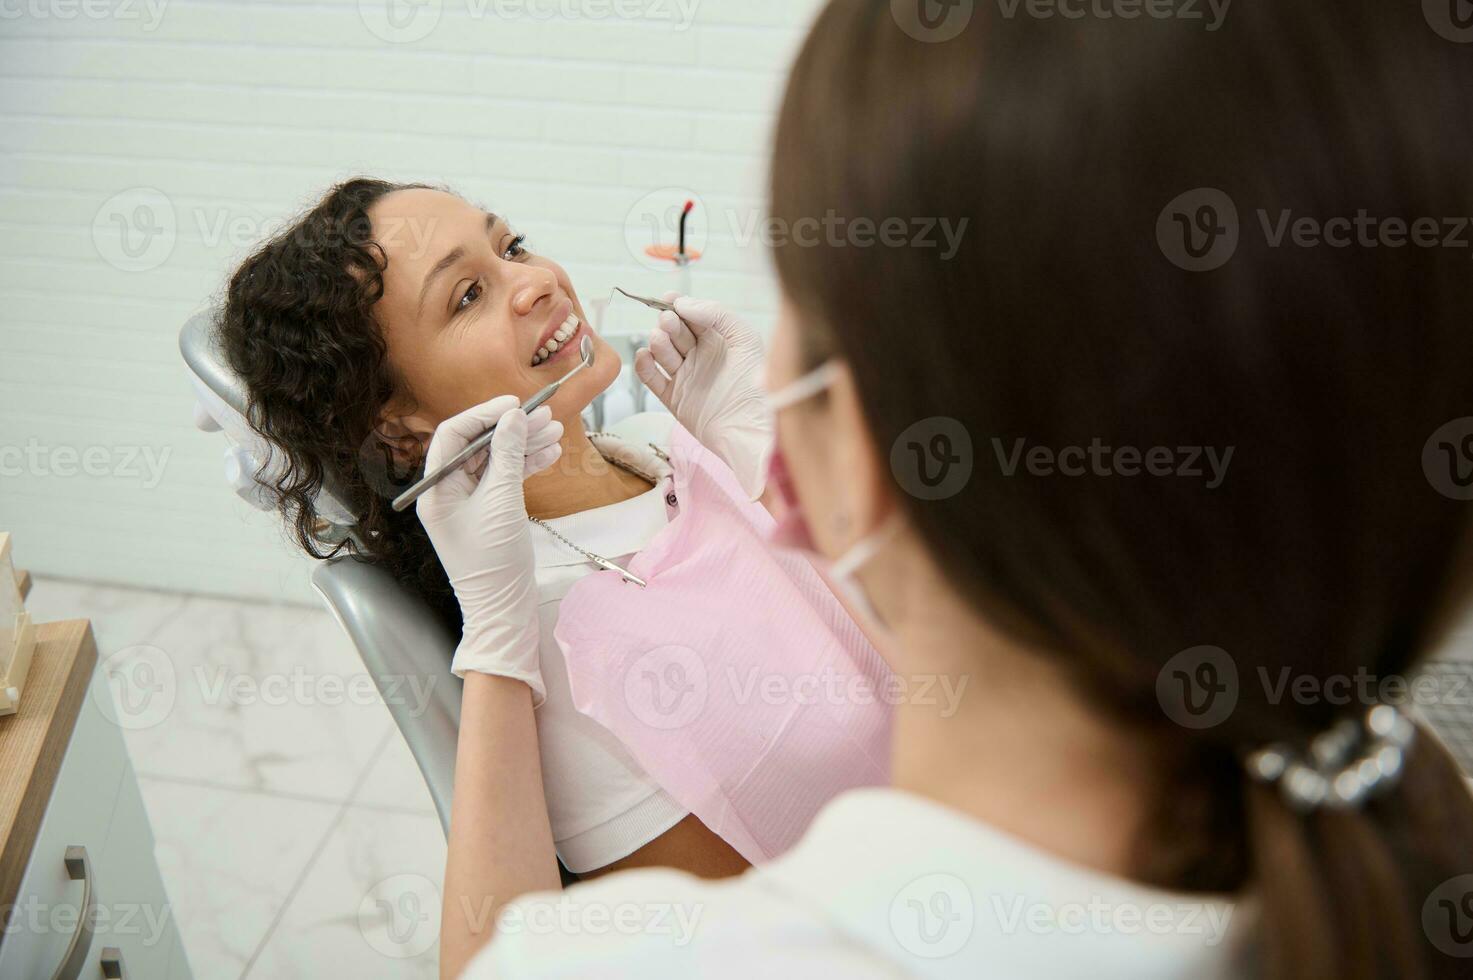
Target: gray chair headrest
[(201, 350), (223, 404)]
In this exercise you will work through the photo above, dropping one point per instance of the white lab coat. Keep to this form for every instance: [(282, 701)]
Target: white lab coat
[(884, 884)]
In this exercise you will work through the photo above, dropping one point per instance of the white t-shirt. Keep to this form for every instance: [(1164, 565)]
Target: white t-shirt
[(884, 884), (601, 804)]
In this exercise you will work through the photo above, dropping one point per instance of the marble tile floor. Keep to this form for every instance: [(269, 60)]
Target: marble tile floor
[(293, 832)]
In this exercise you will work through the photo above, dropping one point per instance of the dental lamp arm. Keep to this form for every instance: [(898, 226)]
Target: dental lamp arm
[(500, 842), (713, 361)]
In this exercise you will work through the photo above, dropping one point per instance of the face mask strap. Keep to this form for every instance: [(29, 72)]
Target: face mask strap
[(805, 387), (861, 551)]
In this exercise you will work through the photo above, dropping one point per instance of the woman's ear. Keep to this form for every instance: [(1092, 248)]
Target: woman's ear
[(869, 490), (406, 437), (391, 457)]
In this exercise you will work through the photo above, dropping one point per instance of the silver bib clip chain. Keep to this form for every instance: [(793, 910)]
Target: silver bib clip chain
[(600, 560)]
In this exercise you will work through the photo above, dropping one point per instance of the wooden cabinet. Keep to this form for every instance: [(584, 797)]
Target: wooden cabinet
[(76, 835)]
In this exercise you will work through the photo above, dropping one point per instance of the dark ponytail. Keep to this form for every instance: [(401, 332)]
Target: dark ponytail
[(1343, 890), (1076, 311)]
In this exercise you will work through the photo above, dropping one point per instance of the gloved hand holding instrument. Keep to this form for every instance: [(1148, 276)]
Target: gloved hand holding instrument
[(703, 363), (480, 531)]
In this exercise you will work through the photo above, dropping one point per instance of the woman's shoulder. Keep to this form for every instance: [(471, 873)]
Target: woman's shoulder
[(662, 923)]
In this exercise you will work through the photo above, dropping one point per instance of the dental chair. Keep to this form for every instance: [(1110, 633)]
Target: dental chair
[(394, 631)]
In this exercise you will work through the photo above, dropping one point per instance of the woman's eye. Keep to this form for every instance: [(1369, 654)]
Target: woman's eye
[(471, 295), (516, 249)]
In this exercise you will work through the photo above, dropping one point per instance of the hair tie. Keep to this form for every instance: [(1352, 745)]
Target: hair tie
[(1345, 765)]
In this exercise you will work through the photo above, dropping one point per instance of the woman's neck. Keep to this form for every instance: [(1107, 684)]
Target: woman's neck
[(580, 480), (1000, 732)]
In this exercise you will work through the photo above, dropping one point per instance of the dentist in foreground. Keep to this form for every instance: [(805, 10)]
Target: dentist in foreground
[(1157, 770)]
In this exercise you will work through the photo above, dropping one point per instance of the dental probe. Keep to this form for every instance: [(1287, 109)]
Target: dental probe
[(654, 304), (402, 502)]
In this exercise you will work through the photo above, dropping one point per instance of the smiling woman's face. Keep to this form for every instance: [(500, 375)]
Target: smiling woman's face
[(467, 313)]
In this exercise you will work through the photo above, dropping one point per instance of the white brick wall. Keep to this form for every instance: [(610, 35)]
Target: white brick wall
[(239, 113)]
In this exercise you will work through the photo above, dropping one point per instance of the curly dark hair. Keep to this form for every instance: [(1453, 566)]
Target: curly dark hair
[(297, 326)]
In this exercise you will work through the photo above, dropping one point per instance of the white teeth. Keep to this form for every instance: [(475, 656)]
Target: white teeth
[(558, 340)]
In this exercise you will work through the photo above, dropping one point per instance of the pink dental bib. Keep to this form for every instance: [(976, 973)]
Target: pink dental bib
[(735, 678)]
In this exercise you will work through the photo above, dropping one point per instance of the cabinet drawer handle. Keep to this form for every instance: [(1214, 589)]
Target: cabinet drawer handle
[(78, 868)]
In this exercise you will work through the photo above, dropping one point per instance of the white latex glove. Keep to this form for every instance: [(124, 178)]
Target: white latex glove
[(712, 362), (480, 533)]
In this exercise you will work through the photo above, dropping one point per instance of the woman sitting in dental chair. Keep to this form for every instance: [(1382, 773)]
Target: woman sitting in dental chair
[(389, 309)]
